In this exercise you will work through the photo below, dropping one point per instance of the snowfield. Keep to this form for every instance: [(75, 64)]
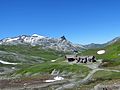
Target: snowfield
[(57, 78), (4, 62), (101, 52)]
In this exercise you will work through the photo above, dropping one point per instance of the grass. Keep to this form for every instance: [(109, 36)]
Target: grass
[(114, 68), (106, 75), (49, 67), (91, 85), (101, 77), (28, 50), (25, 52), (111, 56)]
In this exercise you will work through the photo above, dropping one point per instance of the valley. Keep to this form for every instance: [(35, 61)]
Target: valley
[(24, 66)]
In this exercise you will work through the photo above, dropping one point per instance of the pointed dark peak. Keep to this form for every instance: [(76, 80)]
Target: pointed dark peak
[(63, 38)]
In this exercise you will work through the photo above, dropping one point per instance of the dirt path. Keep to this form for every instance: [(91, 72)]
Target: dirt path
[(94, 67)]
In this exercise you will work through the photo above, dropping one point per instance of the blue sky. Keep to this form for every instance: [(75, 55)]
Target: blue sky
[(81, 21)]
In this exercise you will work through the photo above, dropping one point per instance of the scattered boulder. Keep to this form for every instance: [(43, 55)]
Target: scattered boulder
[(107, 87)]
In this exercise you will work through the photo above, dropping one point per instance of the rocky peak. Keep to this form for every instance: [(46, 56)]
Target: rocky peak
[(36, 35), (63, 38), (61, 44)]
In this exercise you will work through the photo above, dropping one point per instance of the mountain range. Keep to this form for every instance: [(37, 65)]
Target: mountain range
[(24, 59), (93, 45), (61, 44)]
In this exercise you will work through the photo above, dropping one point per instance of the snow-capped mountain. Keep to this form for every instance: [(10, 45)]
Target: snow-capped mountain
[(61, 44)]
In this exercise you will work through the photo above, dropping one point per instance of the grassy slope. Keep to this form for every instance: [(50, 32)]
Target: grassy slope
[(31, 51), (27, 55), (111, 55), (47, 55), (102, 77), (49, 67), (106, 75)]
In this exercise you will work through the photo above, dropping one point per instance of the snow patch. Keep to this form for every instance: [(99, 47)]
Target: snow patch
[(12, 39), (101, 52), (36, 35), (53, 60), (50, 81), (57, 78), (13, 68), (4, 62)]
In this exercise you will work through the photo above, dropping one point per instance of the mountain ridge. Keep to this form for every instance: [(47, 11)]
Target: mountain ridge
[(61, 44), (94, 45)]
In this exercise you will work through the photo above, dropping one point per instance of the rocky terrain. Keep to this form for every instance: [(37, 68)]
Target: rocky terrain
[(34, 62), (61, 44)]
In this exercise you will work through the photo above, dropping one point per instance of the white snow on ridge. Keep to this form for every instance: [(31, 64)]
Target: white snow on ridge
[(4, 62), (36, 35), (12, 39), (60, 44)]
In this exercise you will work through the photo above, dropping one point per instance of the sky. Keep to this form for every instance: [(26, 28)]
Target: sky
[(80, 21)]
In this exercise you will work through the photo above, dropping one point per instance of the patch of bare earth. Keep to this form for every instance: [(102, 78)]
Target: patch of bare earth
[(22, 82)]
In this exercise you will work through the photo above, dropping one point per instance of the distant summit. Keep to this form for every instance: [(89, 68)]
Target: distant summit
[(61, 44), (36, 35), (93, 45), (63, 38)]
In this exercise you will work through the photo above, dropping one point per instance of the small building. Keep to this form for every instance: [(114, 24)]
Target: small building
[(91, 58), (71, 58), (80, 59)]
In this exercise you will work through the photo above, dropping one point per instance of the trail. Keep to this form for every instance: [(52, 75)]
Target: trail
[(94, 67)]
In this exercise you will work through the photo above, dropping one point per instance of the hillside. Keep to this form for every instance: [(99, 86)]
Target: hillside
[(29, 50), (35, 66), (31, 65), (112, 54)]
